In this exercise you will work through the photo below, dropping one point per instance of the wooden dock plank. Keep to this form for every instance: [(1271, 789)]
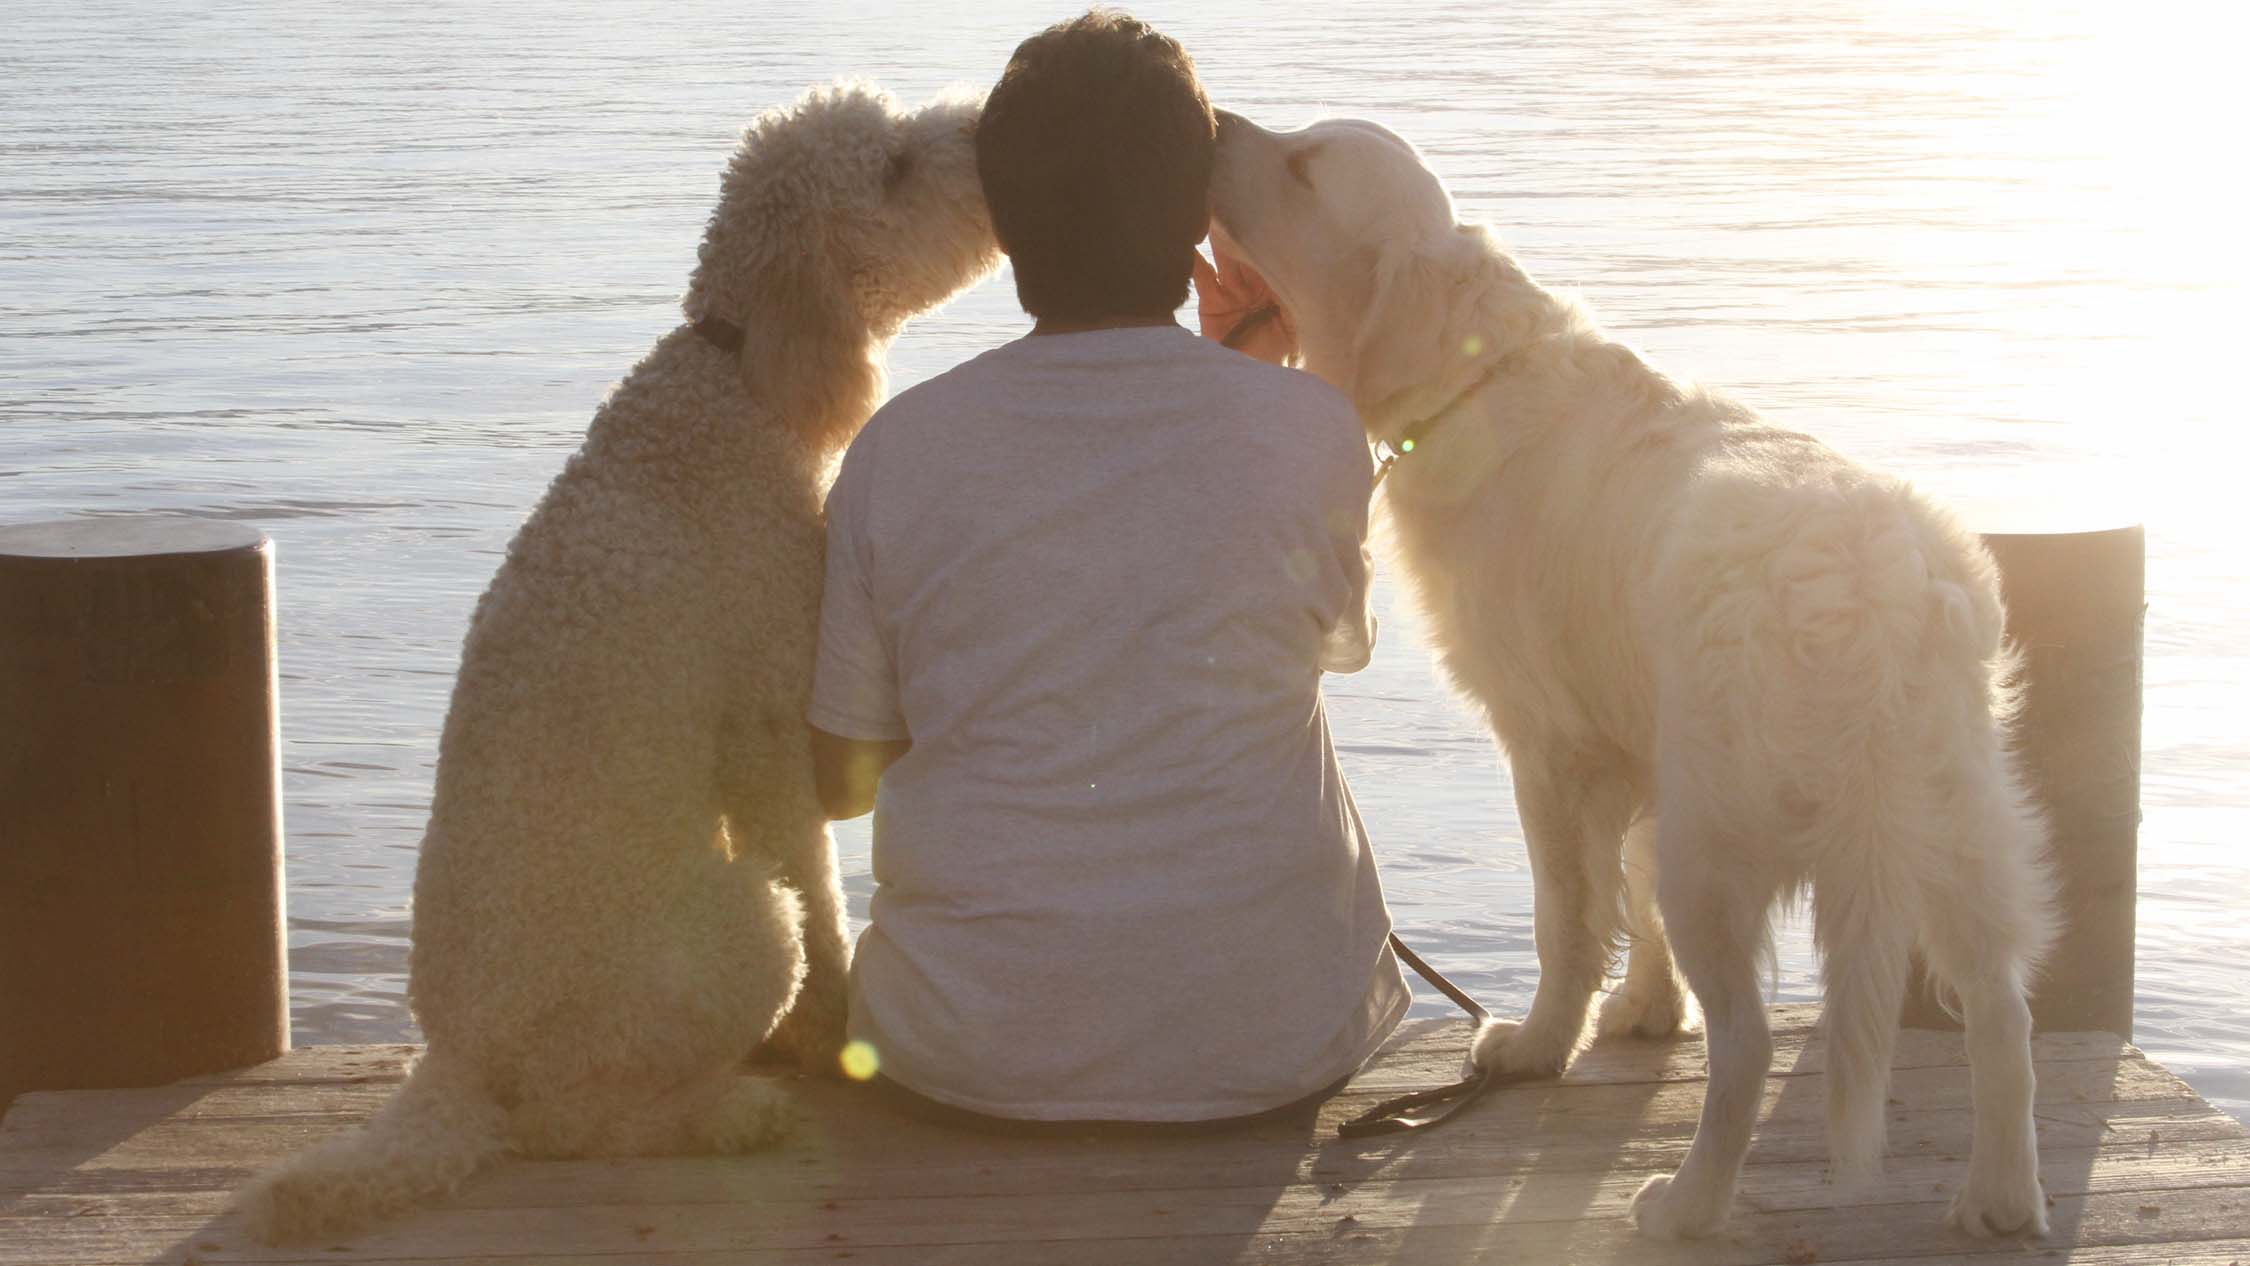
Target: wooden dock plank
[(2120, 1167), (841, 1143), (1159, 1251), (1445, 1225), (1418, 1051), (2139, 1168)]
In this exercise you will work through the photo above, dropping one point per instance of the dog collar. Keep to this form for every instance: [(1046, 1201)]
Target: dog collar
[(1388, 452), (724, 335)]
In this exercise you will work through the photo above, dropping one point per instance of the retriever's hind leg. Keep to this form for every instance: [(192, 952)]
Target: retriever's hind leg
[(1985, 923), (1652, 1001), (1864, 927), (1574, 822), (1716, 914)]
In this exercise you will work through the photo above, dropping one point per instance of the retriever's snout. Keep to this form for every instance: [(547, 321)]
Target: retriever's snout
[(1229, 121)]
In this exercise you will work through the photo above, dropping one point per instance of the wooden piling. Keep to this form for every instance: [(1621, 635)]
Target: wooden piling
[(2075, 604), (141, 935)]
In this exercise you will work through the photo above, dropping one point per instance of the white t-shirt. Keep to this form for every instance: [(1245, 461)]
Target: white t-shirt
[(1095, 578)]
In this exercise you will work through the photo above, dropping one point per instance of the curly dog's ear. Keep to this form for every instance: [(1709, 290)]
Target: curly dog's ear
[(805, 349)]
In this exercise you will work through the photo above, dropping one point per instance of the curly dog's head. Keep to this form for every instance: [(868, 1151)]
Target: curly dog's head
[(839, 218)]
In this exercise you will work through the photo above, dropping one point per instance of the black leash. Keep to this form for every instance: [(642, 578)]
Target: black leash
[(1393, 1116), (1460, 998)]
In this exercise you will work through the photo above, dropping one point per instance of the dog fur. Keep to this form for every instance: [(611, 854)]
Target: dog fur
[(1710, 648), (626, 874)]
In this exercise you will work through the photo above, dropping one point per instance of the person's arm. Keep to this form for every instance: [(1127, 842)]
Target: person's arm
[(1351, 639), (1351, 642), (854, 721), (846, 770)]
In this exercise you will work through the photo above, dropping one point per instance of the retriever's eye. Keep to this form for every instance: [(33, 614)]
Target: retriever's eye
[(901, 165), (1298, 164)]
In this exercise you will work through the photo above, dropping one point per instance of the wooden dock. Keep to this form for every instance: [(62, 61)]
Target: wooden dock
[(2139, 1170)]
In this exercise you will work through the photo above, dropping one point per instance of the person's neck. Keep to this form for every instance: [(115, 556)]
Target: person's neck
[(1049, 325)]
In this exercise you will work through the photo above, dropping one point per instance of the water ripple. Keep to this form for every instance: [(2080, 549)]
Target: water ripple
[(360, 275)]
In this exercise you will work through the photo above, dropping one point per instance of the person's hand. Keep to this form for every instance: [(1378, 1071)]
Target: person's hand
[(1232, 299)]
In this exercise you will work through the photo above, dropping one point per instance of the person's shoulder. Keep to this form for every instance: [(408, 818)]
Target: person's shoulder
[(1295, 389), (943, 391), (1295, 403), (915, 409)]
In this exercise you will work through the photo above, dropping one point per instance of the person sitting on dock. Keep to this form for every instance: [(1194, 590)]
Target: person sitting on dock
[(1080, 593)]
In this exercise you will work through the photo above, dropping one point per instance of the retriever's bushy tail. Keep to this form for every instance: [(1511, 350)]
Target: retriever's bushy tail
[(437, 1130)]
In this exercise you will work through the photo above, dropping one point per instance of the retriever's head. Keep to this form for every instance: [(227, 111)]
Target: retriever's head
[(1358, 240), (839, 218)]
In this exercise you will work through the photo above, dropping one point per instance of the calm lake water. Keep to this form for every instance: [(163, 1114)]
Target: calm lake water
[(358, 274)]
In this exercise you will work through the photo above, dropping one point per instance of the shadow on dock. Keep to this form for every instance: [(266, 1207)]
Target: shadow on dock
[(2138, 1167)]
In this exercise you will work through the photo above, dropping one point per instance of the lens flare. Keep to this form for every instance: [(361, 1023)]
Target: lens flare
[(859, 1060)]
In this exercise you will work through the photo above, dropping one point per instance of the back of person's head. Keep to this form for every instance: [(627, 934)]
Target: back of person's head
[(1095, 152)]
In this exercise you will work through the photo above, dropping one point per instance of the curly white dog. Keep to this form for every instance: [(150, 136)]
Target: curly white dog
[(626, 873), (1719, 645)]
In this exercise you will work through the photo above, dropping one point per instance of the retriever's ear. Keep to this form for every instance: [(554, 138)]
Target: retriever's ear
[(805, 349), (1409, 347)]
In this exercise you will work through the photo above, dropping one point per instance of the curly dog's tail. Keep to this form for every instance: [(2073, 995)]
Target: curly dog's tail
[(437, 1130)]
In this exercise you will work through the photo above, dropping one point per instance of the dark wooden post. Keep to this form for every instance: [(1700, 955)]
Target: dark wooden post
[(2075, 602), (141, 934)]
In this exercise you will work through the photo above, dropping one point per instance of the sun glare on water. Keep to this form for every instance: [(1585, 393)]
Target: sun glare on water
[(2152, 97)]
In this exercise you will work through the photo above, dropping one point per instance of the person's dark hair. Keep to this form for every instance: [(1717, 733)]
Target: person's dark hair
[(1095, 153)]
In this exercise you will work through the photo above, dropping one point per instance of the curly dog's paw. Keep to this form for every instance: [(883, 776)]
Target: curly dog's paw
[(751, 1114), (812, 1034)]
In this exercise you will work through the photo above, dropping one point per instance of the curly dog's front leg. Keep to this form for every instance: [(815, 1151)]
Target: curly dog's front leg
[(813, 1030), (774, 821)]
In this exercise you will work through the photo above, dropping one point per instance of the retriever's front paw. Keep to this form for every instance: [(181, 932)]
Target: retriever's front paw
[(2007, 1205), (1666, 1209), (1518, 1050), (1645, 1009)]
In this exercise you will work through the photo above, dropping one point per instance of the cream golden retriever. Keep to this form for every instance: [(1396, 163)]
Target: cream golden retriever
[(1725, 664)]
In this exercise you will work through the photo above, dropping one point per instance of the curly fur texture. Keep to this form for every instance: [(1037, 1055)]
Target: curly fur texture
[(627, 876), (1725, 663)]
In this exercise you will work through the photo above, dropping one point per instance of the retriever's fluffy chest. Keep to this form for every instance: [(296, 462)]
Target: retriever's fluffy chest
[(1529, 526)]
